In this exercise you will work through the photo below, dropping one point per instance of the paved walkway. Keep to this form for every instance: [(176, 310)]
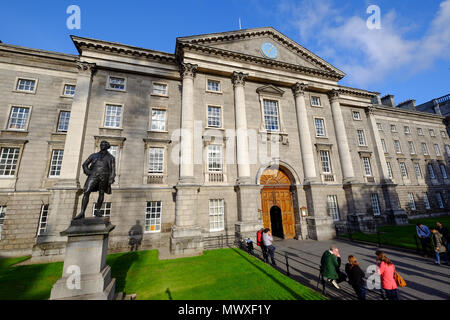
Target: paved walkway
[(425, 280)]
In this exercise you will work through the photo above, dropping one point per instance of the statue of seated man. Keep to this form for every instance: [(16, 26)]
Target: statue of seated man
[(100, 168)]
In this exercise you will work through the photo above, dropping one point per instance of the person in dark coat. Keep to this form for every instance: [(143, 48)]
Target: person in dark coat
[(439, 246), (329, 267), (356, 277)]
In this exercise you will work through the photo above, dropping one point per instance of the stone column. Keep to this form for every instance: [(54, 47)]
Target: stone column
[(73, 149), (306, 147), (384, 174), (188, 72), (341, 137), (186, 238), (242, 155)]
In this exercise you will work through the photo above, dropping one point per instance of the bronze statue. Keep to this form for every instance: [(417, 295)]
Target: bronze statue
[(101, 170)]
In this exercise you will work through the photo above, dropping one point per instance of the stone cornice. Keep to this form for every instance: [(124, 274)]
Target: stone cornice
[(381, 108), (330, 75), (357, 92), (259, 32), (122, 50)]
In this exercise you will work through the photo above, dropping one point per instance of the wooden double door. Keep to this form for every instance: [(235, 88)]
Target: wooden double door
[(278, 212)]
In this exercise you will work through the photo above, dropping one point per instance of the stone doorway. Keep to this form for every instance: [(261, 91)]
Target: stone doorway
[(276, 222)]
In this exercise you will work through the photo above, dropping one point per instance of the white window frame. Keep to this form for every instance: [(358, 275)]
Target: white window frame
[(16, 86), (108, 83), (209, 158), (406, 130), (426, 201), (27, 123), (324, 131), (367, 167), (58, 125), (56, 163), (111, 104), (389, 169), (419, 131), (432, 133), (398, 146), (207, 116), (158, 121), (105, 210), (316, 98), (2, 219), (213, 80), (64, 94), (431, 171), (403, 170), (356, 115), (361, 138), (278, 114), (440, 200), (157, 171), (443, 134), (325, 161), (393, 128), (418, 170), (155, 221), (43, 220), (333, 207), (443, 171), (447, 149), (375, 204), (384, 146), (425, 150), (437, 150), (412, 147), (160, 94), (412, 202), (216, 215), (15, 165), (380, 126)]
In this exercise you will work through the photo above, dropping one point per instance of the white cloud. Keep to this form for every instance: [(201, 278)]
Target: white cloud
[(368, 56)]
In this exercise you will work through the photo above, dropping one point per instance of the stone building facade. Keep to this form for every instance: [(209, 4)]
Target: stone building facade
[(232, 132)]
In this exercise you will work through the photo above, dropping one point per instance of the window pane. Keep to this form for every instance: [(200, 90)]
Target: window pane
[(412, 203), (216, 214), (213, 85), (117, 83), (63, 123), (105, 210), (18, 118), (320, 128), (26, 85), (156, 164), (326, 164), (333, 209), (375, 204), (215, 158), (69, 90), (8, 161), (56, 163), (43, 220), (214, 117), (158, 120), (367, 167), (2, 218), (113, 116), (361, 138), (271, 115), (153, 216), (160, 89)]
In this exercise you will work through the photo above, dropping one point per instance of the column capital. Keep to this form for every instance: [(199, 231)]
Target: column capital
[(238, 78), (86, 68), (333, 94), (299, 88), (370, 110), (188, 70)]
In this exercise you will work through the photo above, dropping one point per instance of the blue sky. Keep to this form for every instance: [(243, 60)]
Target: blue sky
[(408, 57)]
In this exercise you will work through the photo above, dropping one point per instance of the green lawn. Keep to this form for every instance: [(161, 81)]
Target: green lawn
[(224, 274), (402, 236)]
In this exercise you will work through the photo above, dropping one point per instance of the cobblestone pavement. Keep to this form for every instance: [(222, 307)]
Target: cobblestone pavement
[(425, 280)]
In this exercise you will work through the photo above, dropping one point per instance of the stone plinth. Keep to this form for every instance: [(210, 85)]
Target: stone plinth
[(85, 274)]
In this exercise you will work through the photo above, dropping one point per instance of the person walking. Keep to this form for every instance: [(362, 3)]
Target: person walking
[(424, 235), (267, 241), (439, 246), (386, 270), (444, 231), (259, 243), (329, 266), (356, 277)]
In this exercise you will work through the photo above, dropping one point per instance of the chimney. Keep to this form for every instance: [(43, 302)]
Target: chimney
[(388, 100), (376, 100), (408, 104), (437, 108)]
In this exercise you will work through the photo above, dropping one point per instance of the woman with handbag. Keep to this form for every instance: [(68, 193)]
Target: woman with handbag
[(386, 270)]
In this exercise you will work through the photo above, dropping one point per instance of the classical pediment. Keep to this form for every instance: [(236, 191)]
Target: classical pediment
[(279, 49), (270, 89)]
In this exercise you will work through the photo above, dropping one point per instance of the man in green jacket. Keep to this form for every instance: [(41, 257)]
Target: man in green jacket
[(329, 266)]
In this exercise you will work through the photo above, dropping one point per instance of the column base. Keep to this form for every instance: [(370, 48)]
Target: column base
[(85, 274), (320, 228), (186, 181), (186, 241)]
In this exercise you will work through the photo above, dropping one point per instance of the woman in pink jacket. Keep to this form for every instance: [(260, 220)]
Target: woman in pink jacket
[(386, 270)]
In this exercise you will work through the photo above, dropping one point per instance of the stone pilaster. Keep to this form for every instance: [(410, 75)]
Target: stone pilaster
[(341, 137), (306, 147), (319, 224), (238, 79)]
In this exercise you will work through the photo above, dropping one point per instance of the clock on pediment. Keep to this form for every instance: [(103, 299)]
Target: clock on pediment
[(269, 50)]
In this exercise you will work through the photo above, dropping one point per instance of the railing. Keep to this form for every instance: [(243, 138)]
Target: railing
[(289, 261), (155, 179), (215, 177), (443, 99), (328, 178)]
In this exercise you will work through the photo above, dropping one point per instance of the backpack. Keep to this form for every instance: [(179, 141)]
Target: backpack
[(258, 238), (399, 280)]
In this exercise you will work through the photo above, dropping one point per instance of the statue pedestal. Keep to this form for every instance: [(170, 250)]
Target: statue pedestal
[(86, 275)]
